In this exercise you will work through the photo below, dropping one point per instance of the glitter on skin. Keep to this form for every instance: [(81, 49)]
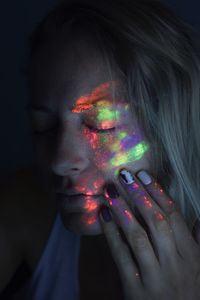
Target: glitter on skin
[(86, 102), (89, 219), (92, 136), (121, 135), (90, 205), (107, 114), (124, 148), (83, 189), (112, 148), (131, 155)]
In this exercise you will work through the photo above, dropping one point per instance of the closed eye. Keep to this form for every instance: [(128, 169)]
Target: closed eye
[(91, 128)]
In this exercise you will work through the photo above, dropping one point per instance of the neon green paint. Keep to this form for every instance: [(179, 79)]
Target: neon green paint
[(106, 114), (133, 154), (122, 135)]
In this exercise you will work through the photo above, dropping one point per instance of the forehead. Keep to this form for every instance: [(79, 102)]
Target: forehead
[(66, 69)]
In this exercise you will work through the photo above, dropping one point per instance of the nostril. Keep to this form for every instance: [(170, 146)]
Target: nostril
[(66, 166)]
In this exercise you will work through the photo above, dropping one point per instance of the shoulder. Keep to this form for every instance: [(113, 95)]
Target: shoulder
[(26, 215)]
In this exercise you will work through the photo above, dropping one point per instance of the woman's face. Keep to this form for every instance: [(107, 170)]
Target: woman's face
[(83, 137)]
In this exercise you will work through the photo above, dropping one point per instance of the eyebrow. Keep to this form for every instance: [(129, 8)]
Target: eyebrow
[(83, 103), (87, 102)]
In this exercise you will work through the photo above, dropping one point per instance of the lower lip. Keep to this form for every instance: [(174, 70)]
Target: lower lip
[(77, 203)]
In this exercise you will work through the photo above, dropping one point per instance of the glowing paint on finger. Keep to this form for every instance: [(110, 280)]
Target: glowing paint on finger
[(128, 215), (159, 216), (147, 202), (170, 203), (135, 186)]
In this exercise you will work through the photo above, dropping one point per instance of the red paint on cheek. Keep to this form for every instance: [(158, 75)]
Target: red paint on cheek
[(91, 137)]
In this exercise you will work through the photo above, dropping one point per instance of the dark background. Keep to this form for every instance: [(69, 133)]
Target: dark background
[(17, 19)]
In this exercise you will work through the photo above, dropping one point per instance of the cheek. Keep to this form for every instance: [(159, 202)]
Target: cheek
[(112, 150)]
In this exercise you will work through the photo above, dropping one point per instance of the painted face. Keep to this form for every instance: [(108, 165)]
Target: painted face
[(108, 130), (86, 135)]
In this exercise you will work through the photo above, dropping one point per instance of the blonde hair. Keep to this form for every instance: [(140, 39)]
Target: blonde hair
[(158, 57)]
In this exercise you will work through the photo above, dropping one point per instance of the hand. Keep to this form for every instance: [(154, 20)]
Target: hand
[(165, 265)]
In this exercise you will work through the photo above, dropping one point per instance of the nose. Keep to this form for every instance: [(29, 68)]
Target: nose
[(71, 154)]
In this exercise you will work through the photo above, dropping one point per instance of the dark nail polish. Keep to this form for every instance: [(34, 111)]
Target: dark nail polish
[(105, 213), (112, 191)]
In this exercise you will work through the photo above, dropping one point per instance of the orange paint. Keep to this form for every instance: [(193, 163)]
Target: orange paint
[(86, 102), (90, 205), (91, 220)]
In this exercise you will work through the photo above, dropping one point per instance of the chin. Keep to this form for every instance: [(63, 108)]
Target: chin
[(82, 223)]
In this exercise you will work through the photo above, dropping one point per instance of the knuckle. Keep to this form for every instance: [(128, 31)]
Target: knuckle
[(161, 222), (139, 239)]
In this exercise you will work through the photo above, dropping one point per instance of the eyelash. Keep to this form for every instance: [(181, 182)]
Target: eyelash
[(100, 130), (35, 132)]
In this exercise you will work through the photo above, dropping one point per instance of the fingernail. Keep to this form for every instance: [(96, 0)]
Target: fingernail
[(126, 176), (104, 211), (112, 191), (144, 177)]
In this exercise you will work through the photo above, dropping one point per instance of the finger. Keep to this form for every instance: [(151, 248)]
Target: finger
[(135, 235), (153, 215), (185, 243), (127, 269)]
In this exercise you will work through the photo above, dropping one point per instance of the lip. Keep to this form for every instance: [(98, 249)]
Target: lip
[(76, 194), (77, 203)]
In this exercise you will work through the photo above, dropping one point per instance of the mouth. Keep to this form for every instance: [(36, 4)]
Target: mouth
[(80, 203)]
